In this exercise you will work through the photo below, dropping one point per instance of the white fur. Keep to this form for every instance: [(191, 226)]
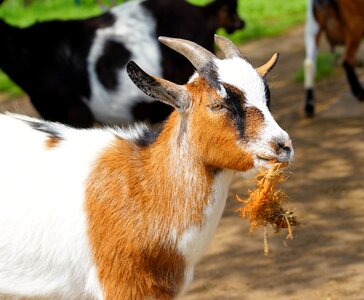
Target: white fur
[(311, 30), (135, 29), (44, 249), (195, 240)]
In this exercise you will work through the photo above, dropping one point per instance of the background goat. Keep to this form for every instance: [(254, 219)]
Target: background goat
[(343, 23), (74, 71), (126, 214)]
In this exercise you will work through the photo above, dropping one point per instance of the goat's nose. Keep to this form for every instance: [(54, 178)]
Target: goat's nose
[(284, 150), (286, 145)]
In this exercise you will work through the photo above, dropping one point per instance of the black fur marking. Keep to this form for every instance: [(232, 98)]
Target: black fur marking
[(114, 57), (355, 85), (226, 12), (48, 61), (209, 72), (199, 26), (310, 103), (154, 112), (47, 128), (234, 102), (148, 137), (267, 93)]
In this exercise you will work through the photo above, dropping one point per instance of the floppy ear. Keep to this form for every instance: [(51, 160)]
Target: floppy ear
[(264, 69), (159, 89)]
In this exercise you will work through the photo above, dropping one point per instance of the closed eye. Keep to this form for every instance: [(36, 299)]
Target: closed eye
[(217, 106)]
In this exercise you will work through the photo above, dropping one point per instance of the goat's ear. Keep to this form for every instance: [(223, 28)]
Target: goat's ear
[(264, 69), (159, 89)]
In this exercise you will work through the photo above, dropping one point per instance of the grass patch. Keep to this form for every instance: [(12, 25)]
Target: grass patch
[(8, 86), (267, 18), (263, 18), (325, 66), (15, 13)]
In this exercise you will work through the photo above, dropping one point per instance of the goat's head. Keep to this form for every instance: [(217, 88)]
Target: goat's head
[(223, 107), (223, 13)]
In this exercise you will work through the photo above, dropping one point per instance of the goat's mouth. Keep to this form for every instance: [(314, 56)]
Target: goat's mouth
[(267, 158)]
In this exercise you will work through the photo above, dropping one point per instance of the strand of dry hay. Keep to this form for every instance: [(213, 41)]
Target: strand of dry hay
[(264, 205)]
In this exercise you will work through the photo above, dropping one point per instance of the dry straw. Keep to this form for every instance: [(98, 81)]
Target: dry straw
[(264, 205)]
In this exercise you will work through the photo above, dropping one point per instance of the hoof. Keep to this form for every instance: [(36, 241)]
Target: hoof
[(359, 95), (309, 111), (310, 104)]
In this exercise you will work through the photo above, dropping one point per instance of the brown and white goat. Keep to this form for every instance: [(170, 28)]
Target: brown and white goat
[(127, 213), (343, 23)]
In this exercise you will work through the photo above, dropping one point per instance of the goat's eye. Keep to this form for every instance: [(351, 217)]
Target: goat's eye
[(216, 106)]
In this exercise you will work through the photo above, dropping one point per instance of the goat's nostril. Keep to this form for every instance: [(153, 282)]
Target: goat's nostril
[(287, 145)]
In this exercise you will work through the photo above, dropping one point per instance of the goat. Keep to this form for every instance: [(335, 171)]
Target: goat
[(343, 23), (127, 213), (74, 71)]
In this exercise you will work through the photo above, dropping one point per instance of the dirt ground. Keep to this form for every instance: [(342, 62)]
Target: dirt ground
[(325, 260)]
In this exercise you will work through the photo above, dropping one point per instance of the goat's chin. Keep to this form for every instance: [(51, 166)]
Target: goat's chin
[(250, 174), (259, 164)]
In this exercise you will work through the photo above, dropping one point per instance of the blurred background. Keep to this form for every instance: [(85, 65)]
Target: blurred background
[(262, 20)]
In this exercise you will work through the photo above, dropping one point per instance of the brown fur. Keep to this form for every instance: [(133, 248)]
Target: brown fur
[(346, 28), (126, 228), (222, 151), (136, 196), (52, 142), (131, 217)]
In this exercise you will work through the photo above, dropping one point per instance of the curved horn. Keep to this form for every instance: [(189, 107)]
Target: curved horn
[(227, 47), (264, 69), (197, 55)]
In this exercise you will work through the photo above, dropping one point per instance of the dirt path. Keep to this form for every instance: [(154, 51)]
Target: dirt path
[(325, 261)]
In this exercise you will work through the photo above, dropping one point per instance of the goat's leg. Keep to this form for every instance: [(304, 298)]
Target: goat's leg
[(312, 33), (352, 46)]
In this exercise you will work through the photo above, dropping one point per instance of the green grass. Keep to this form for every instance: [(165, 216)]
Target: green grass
[(15, 13), (325, 67), (263, 18), (268, 18), (9, 87)]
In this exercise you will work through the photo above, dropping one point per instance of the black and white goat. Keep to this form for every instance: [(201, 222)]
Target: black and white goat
[(74, 71), (126, 214), (343, 23)]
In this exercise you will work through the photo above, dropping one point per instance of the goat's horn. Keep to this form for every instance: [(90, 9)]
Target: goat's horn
[(264, 69), (227, 47), (197, 55)]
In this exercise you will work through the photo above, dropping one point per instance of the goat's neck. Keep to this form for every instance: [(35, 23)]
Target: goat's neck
[(187, 182), (152, 204)]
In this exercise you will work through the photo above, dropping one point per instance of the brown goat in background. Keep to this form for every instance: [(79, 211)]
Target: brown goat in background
[(342, 21)]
